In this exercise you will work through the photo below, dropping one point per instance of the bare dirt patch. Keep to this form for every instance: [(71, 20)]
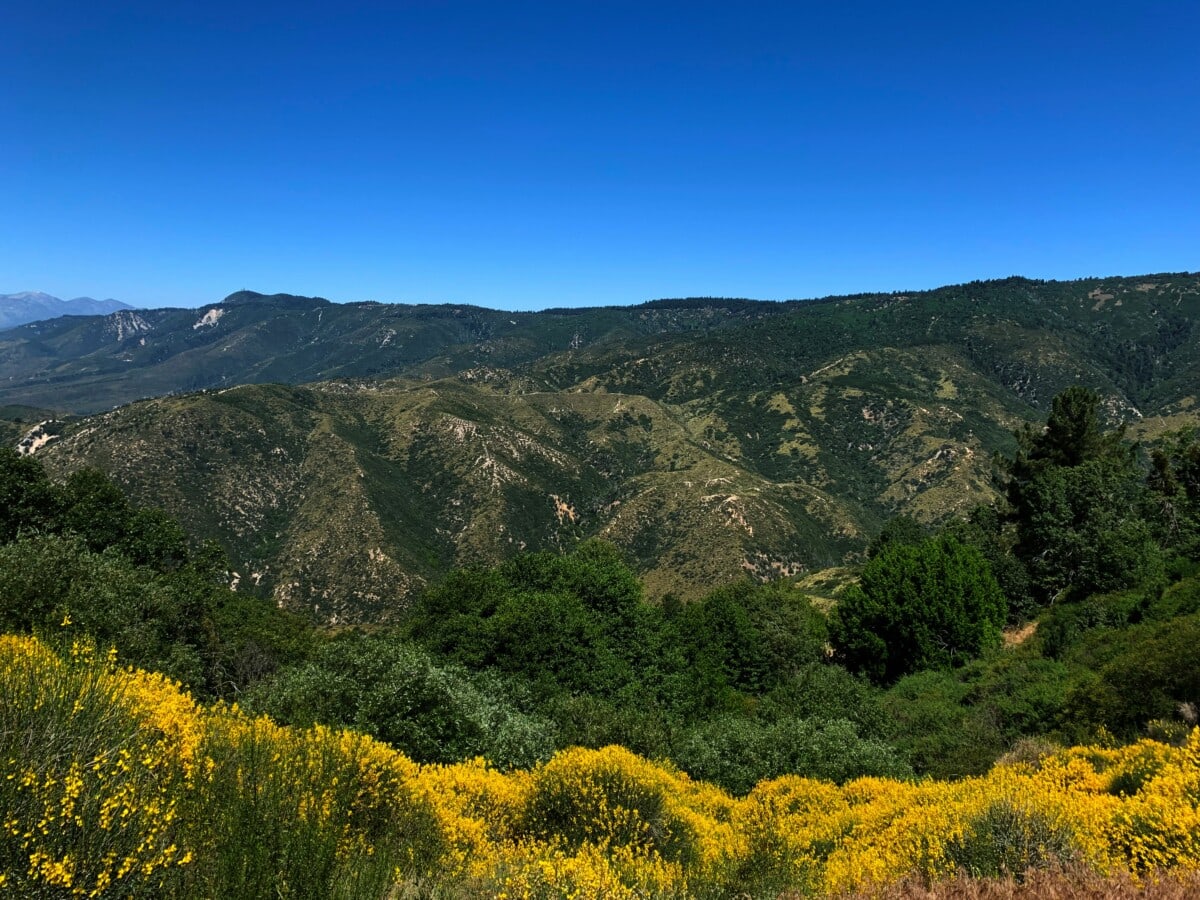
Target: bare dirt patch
[(1015, 637)]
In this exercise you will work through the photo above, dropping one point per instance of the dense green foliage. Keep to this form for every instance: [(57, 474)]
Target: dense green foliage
[(1078, 499), (1174, 484), (666, 680), (395, 691), (737, 752), (930, 605), (1094, 552), (79, 557), (1090, 554)]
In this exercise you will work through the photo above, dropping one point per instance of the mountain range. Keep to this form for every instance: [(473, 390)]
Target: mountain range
[(33, 306), (347, 454)]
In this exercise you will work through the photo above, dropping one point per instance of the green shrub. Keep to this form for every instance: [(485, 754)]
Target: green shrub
[(936, 731), (1142, 673), (823, 691), (933, 605), (146, 616), (1007, 840), (738, 753), (1180, 599), (1066, 623), (393, 690)]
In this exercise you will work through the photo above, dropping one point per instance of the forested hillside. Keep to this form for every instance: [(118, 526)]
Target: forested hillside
[(704, 438), (1131, 334), (786, 732)]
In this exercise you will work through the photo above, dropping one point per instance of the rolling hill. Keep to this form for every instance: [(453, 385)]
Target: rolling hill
[(705, 437)]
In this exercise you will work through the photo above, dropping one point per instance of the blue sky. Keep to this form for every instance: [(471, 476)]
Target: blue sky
[(522, 155)]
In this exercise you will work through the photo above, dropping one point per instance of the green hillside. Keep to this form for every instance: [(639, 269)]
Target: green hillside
[(706, 438), (86, 364), (1133, 334), (346, 498)]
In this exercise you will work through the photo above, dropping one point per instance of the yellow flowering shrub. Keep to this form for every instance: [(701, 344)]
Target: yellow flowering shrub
[(161, 704), (1159, 826), (535, 871), (89, 785), (116, 783), (613, 799), (478, 809), (788, 827), (322, 807)]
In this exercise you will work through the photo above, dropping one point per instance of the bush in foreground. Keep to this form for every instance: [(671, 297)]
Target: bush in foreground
[(114, 783)]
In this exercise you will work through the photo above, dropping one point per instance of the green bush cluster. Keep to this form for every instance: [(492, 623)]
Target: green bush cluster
[(931, 605), (79, 553), (393, 690), (736, 686), (1090, 553)]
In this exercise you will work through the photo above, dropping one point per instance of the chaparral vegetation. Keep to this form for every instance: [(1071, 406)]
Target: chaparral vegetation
[(115, 782), (1008, 693)]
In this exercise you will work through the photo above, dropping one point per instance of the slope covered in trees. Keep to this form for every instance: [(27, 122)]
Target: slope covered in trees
[(520, 662), (1131, 336), (704, 439)]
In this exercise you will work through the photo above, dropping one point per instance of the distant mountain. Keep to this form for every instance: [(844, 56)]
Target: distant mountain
[(34, 306), (708, 438), (89, 364)]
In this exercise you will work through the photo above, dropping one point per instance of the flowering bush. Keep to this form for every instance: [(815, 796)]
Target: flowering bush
[(91, 774), (114, 782)]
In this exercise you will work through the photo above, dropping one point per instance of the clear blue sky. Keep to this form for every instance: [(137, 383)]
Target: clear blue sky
[(521, 155)]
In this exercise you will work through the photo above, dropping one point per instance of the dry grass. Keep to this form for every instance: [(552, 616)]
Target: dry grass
[(1045, 885), (1015, 637)]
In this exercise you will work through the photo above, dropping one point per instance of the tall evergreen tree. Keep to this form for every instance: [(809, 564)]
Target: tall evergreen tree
[(1078, 500)]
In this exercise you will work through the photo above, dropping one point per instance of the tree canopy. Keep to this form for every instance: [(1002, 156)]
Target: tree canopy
[(931, 605), (1078, 500)]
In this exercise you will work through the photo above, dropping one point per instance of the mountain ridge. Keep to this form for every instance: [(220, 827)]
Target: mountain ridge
[(96, 363), (706, 443)]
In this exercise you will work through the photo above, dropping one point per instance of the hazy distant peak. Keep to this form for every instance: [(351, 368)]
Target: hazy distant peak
[(30, 296), (34, 306)]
